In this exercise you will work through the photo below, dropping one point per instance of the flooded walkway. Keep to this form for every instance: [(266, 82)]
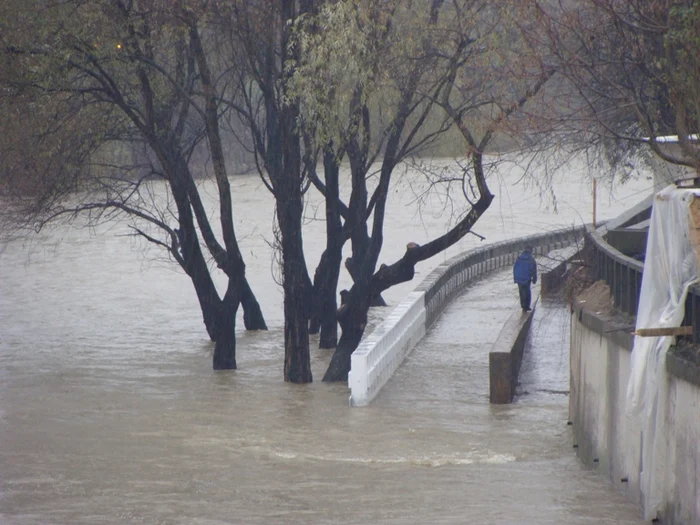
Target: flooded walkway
[(517, 464)]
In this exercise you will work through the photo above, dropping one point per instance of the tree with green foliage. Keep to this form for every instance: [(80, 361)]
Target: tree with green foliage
[(378, 83)]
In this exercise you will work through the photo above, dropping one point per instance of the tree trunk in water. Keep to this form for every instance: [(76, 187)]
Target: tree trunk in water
[(225, 348), (329, 304), (283, 156), (209, 301), (195, 265), (316, 308), (252, 314), (352, 317), (297, 285), (297, 307), (325, 302), (334, 249), (297, 359)]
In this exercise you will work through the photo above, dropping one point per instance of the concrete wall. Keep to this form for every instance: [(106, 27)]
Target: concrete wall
[(609, 440), (381, 352)]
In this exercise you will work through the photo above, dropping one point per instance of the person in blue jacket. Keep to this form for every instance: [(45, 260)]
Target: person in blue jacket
[(524, 273)]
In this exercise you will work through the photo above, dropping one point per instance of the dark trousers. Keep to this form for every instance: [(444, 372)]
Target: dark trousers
[(525, 297)]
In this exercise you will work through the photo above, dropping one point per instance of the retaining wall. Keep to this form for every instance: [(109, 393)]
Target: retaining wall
[(609, 440), (381, 352)]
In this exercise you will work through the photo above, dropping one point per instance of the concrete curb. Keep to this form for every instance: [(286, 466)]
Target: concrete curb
[(506, 356)]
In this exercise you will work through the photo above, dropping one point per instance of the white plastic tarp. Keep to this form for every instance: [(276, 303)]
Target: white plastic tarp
[(670, 268)]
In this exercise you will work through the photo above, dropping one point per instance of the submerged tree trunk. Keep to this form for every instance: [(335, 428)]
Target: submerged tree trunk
[(352, 316), (284, 159), (225, 348), (328, 271), (283, 163), (376, 299), (228, 257), (252, 314), (325, 304), (297, 360), (192, 259), (209, 301), (319, 291), (316, 311), (296, 282)]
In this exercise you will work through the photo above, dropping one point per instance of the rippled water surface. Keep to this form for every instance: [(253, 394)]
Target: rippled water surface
[(110, 412)]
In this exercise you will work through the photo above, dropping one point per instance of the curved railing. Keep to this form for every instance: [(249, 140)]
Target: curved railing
[(381, 352), (623, 275)]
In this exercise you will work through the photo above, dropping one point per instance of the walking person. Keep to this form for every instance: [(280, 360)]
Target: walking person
[(524, 273)]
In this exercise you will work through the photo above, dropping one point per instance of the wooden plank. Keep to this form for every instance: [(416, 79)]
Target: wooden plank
[(671, 330), (695, 227)]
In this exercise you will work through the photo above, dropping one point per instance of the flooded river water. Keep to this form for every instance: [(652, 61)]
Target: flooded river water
[(110, 412)]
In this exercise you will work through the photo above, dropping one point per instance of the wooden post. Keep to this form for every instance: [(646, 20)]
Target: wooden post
[(594, 201), (695, 227)]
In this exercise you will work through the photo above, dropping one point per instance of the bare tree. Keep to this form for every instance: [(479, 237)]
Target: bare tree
[(124, 73), (629, 75), (260, 59)]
